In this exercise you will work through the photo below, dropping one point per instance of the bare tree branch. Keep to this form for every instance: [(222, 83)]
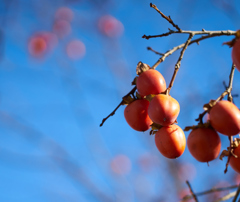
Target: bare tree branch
[(203, 32), (191, 191), (121, 103), (168, 18), (226, 197), (236, 195), (188, 197), (177, 66)]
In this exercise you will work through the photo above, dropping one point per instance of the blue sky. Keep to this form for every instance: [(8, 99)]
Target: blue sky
[(52, 148)]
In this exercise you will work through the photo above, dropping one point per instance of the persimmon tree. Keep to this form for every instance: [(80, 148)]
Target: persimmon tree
[(150, 105)]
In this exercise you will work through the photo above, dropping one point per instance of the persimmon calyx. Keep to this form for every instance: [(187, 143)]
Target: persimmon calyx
[(235, 143), (127, 99), (229, 151), (232, 42), (142, 67), (224, 154), (238, 34), (207, 107), (155, 127), (134, 82), (200, 125), (138, 96), (153, 132), (149, 97)]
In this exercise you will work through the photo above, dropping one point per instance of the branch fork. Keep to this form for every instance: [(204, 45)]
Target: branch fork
[(205, 35)]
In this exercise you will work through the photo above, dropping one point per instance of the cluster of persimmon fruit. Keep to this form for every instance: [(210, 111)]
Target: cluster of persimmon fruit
[(204, 142), (153, 107)]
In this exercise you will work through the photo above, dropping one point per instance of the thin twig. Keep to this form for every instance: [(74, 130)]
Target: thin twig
[(111, 114), (121, 103), (188, 197), (230, 83), (230, 153), (171, 51), (177, 66), (229, 88), (149, 48), (160, 35), (203, 32), (226, 197), (236, 195), (200, 117), (190, 188), (168, 18)]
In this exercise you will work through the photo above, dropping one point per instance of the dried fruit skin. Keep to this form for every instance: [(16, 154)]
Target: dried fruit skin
[(170, 141), (235, 162), (163, 109), (236, 54), (225, 118), (150, 82), (136, 115), (204, 144)]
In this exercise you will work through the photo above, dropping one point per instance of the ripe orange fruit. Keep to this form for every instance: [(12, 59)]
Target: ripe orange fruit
[(170, 141), (163, 109), (150, 82), (204, 144), (225, 118), (235, 162), (236, 54), (136, 115)]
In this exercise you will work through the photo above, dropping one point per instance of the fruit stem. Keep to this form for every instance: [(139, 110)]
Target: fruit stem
[(177, 65), (121, 103), (230, 153), (229, 89), (200, 118)]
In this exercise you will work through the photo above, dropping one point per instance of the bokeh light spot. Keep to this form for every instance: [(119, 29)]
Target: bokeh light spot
[(37, 46), (64, 13), (185, 192), (110, 26), (187, 171), (121, 164), (62, 28), (76, 49)]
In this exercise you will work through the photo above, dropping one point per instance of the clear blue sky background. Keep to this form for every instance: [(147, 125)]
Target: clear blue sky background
[(51, 145)]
